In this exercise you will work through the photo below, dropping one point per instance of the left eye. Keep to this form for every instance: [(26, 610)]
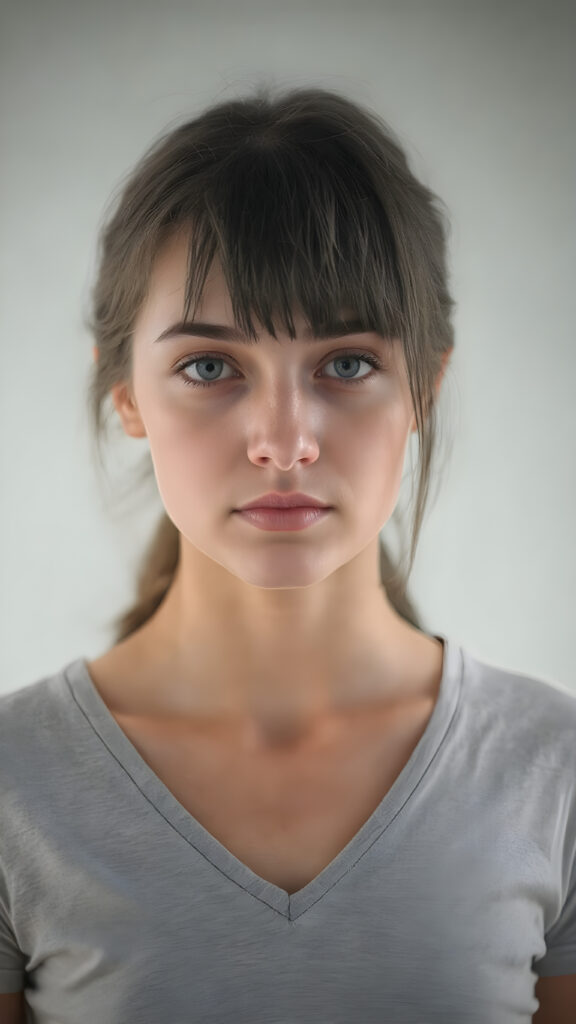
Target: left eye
[(346, 357)]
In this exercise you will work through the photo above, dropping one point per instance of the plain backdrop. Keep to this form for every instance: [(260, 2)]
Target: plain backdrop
[(483, 97)]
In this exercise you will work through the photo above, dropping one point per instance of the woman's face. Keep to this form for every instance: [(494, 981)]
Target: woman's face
[(280, 415)]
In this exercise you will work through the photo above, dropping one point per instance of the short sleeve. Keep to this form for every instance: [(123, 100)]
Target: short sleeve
[(560, 956)]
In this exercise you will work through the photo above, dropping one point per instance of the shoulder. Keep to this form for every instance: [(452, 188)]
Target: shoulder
[(32, 716), (536, 694), (522, 712)]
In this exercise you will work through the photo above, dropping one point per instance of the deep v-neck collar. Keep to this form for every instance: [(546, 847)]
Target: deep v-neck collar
[(99, 718)]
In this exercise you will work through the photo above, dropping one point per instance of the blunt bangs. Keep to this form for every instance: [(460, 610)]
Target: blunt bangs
[(294, 231)]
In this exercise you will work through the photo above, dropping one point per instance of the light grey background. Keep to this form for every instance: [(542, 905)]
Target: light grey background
[(483, 96)]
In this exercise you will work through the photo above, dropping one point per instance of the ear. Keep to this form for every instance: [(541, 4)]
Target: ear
[(446, 356), (125, 406), (127, 409)]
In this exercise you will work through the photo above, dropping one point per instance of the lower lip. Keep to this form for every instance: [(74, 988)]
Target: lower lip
[(283, 519)]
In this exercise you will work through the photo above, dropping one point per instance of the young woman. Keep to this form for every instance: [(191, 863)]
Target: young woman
[(276, 797)]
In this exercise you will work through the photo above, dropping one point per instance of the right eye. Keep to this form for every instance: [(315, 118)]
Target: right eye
[(192, 362)]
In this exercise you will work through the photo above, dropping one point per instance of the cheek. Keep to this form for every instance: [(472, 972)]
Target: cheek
[(376, 463), (189, 462), (178, 438), (379, 447)]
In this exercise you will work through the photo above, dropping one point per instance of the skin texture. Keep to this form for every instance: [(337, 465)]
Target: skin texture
[(273, 631)]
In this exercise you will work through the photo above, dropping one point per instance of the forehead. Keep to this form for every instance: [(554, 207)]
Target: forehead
[(165, 299)]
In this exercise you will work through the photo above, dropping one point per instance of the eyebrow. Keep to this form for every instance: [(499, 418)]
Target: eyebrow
[(220, 332)]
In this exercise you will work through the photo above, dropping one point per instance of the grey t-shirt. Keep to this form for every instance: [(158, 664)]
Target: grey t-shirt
[(119, 907)]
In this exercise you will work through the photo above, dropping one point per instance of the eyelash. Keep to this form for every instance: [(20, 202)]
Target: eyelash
[(363, 356)]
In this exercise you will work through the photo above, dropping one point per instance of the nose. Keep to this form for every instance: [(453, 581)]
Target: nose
[(286, 429)]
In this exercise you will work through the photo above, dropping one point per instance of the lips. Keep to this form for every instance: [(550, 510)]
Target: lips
[(278, 501)]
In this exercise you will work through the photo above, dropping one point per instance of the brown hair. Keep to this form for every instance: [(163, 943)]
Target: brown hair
[(307, 201)]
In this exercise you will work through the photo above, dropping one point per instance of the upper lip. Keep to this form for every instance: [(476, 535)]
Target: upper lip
[(275, 499)]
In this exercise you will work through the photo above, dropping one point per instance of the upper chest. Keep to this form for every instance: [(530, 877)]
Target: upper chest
[(285, 823)]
